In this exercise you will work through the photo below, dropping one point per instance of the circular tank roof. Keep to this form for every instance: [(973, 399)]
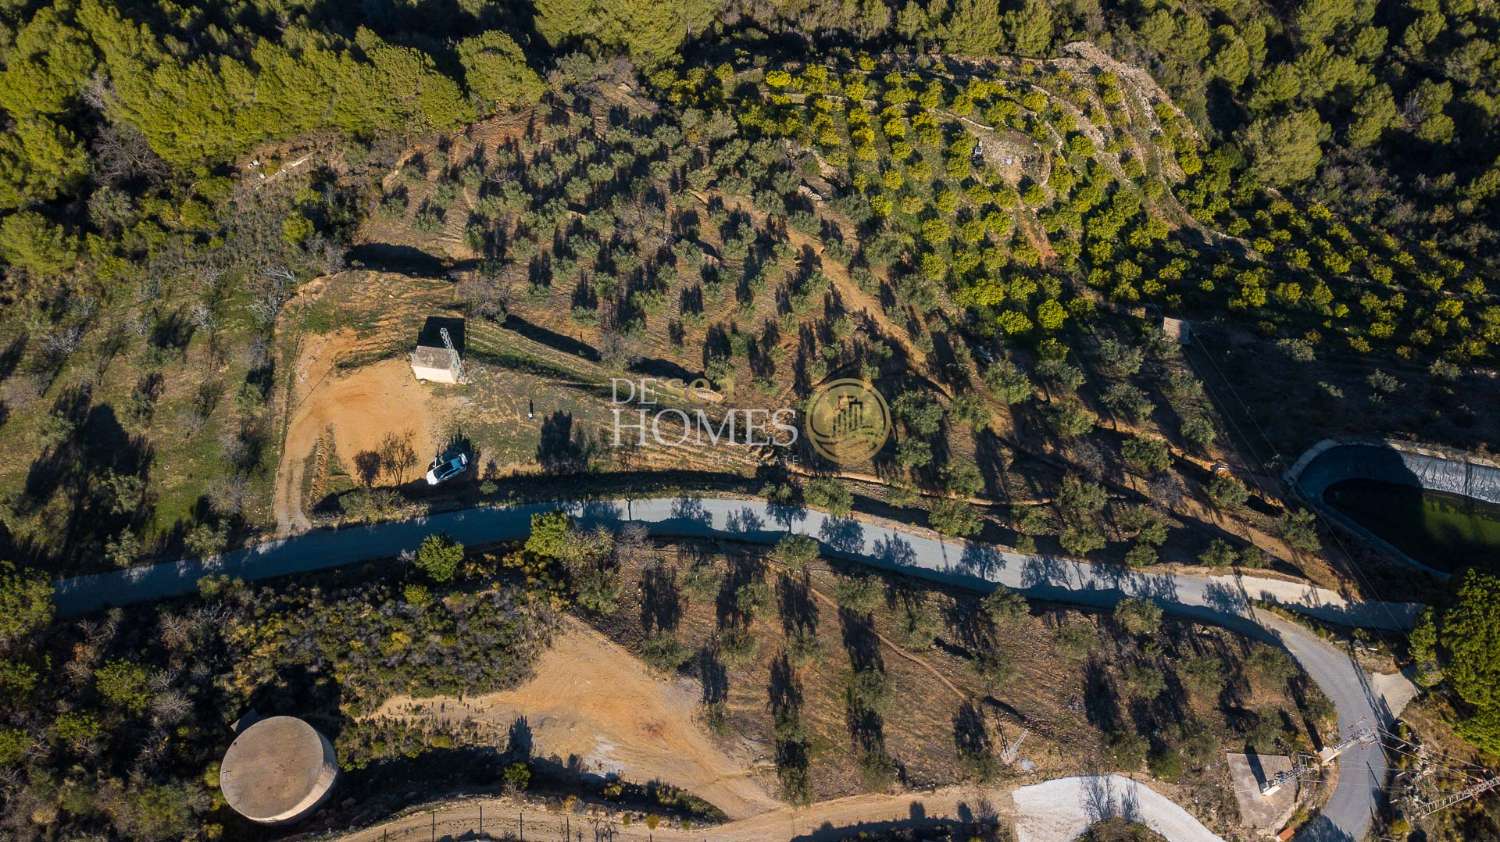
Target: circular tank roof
[(277, 770)]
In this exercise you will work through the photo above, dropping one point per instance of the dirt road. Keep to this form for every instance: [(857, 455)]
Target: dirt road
[(824, 820)]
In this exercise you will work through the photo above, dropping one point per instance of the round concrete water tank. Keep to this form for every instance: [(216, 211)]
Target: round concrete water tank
[(277, 770)]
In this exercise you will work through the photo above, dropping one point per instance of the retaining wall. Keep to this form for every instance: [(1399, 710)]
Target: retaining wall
[(1403, 463)]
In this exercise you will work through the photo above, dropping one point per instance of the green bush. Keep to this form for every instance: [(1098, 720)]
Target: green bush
[(124, 685), (439, 557), (1138, 616), (796, 551), (1165, 764)]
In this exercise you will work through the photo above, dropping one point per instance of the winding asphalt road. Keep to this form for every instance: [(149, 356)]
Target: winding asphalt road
[(1227, 600)]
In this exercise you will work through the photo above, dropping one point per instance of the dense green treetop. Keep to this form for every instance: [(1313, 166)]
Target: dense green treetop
[(25, 603)]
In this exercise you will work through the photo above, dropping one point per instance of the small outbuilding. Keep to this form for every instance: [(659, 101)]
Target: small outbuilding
[(438, 357), (1178, 330), (278, 770)]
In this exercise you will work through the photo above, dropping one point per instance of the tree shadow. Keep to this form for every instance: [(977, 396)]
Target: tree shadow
[(368, 466), (971, 737), (1101, 705), (661, 601), (860, 641), (798, 609), (519, 742), (713, 676), (563, 448), (784, 690)]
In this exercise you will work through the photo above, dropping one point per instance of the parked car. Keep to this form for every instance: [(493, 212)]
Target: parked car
[(444, 468)]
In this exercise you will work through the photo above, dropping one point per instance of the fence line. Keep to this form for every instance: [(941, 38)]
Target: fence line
[(509, 825)]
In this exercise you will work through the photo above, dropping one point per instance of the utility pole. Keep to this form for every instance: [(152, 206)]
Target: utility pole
[(1426, 807), (1012, 750), (1302, 768)]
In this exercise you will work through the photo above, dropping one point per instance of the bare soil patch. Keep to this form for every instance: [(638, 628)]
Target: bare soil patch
[(591, 702), (359, 408)]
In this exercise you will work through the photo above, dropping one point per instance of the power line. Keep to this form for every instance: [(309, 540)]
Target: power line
[(1331, 528)]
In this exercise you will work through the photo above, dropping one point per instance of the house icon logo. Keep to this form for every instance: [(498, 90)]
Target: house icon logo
[(847, 421)]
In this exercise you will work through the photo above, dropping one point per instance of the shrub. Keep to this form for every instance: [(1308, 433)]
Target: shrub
[(1126, 751), (857, 594), (877, 769), (1227, 493), (1300, 530), (993, 668), (1080, 499), (1004, 606), (1007, 382), (831, 495), (1146, 456), (598, 590), (1070, 419), (867, 689), (1138, 616), (738, 647), (1199, 433), (14, 745), (703, 581), (25, 602), (955, 517), (920, 624), (796, 551), (663, 652), (1166, 764), (1218, 554), (439, 557), (517, 776), (751, 597), (124, 685), (1140, 554), (206, 539)]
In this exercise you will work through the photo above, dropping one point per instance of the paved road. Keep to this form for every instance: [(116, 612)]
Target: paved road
[(1224, 599), (1362, 768)]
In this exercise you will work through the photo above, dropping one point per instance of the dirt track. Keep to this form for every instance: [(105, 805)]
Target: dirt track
[(593, 701), (827, 819)]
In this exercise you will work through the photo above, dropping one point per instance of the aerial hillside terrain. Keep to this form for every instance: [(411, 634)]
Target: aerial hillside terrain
[(1115, 275)]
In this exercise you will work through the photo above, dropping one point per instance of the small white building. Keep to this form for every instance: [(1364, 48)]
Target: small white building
[(436, 358), (1178, 330), (436, 365)]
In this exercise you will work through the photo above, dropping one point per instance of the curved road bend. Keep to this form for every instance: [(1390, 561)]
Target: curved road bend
[(1224, 600)]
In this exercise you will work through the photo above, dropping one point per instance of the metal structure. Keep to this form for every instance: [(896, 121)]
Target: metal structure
[(1419, 806), (1307, 765), (1419, 790), (1012, 750), (454, 361)]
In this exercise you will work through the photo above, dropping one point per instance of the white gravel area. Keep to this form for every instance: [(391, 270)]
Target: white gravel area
[(1061, 810)]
